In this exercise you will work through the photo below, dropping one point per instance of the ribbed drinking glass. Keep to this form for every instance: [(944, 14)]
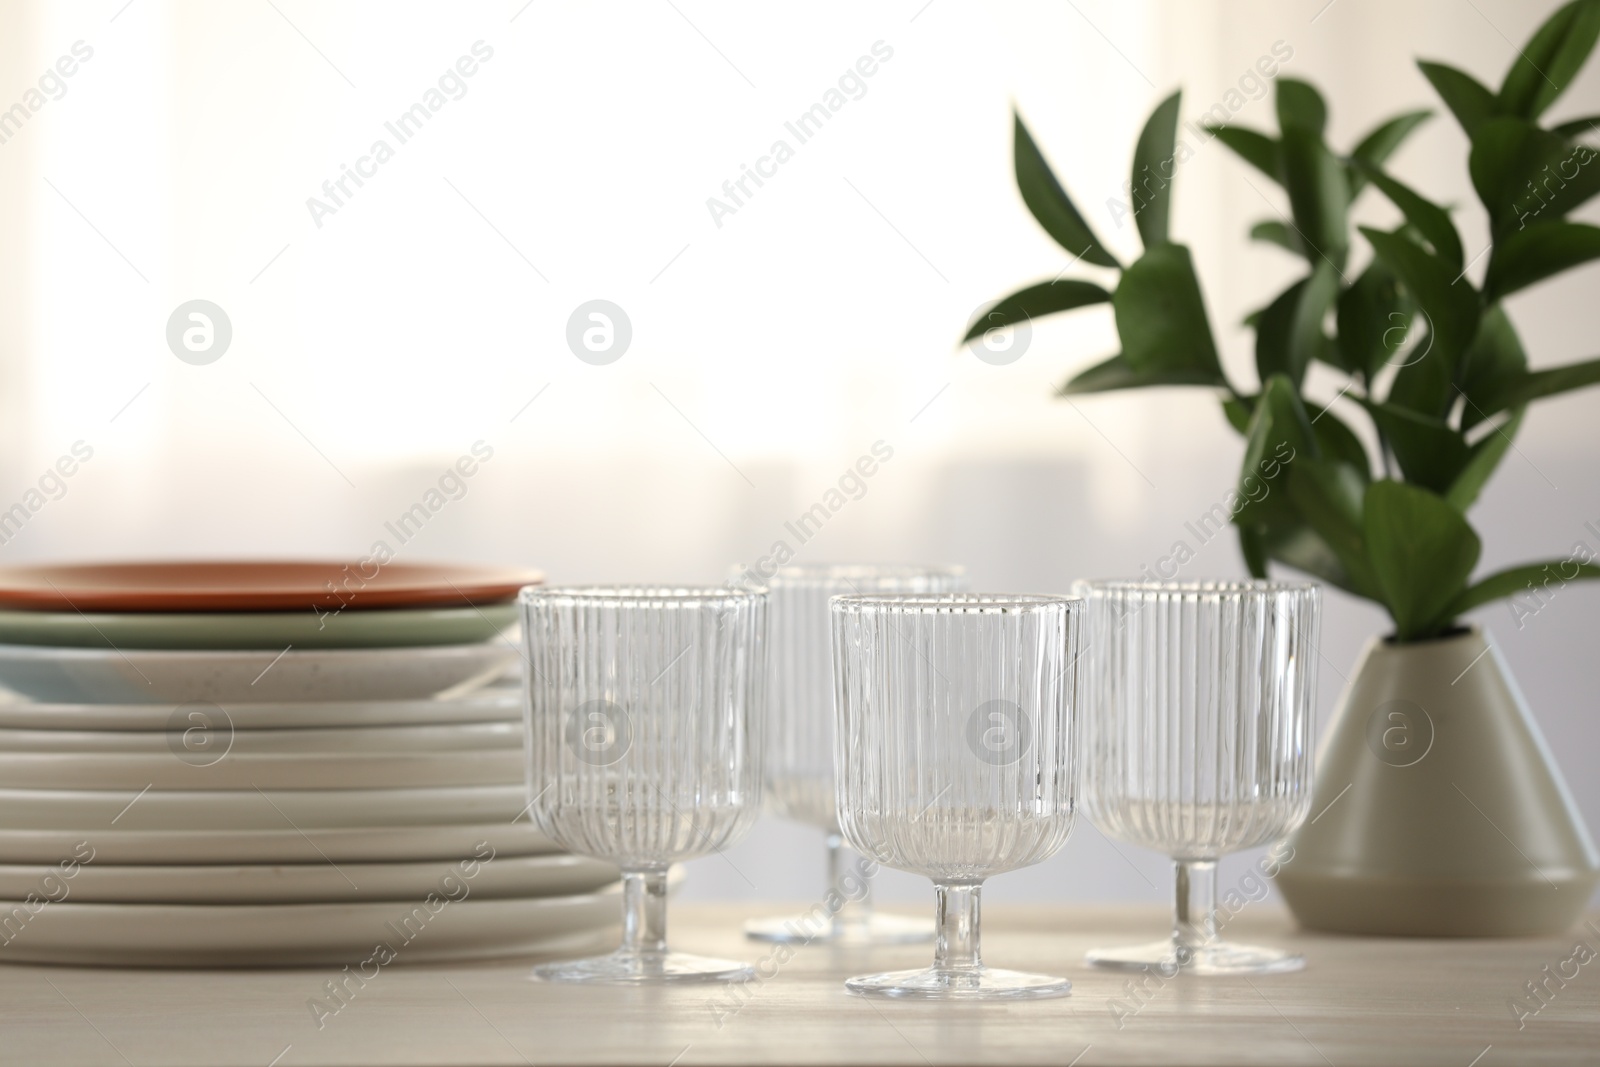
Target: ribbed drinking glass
[(643, 718), (799, 749), (956, 759), (1197, 741)]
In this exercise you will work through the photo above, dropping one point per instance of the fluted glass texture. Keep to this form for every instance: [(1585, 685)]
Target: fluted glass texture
[(955, 753), (1197, 725), (644, 719), (800, 724)]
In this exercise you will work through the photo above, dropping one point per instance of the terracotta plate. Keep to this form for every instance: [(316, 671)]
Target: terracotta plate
[(256, 585)]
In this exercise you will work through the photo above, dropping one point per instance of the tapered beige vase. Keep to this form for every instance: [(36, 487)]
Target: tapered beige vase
[(1438, 809)]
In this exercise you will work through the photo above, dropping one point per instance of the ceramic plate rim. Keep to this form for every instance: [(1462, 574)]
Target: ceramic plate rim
[(254, 631), (470, 583)]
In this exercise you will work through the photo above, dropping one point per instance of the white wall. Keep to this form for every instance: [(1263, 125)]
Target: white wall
[(768, 353)]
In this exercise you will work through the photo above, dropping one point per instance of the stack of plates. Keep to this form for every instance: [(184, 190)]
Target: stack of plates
[(235, 765)]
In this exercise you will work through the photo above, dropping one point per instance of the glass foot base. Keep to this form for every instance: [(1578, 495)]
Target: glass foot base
[(1220, 958), (878, 929), (983, 984), (648, 968)]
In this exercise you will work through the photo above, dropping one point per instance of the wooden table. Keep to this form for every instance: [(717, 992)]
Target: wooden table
[(1359, 1001)]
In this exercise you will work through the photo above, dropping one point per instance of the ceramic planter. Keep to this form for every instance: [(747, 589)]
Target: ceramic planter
[(1438, 809)]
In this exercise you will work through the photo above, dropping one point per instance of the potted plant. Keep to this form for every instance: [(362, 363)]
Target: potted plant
[(1440, 810)]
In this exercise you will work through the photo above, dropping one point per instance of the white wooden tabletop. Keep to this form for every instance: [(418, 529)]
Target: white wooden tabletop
[(1359, 1001)]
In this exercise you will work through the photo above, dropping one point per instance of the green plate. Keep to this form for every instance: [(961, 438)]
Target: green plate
[(374, 628)]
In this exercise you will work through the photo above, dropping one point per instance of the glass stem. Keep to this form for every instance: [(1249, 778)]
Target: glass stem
[(1194, 924), (854, 892), (644, 912), (955, 947)]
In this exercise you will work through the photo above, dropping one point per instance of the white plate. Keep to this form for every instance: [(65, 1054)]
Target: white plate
[(329, 771), (309, 883), (111, 811), (492, 704), (136, 676), (331, 935), (373, 844), (452, 737)]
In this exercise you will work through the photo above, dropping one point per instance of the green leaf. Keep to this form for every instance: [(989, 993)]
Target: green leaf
[(1337, 442), (1546, 64), (1238, 410), (1373, 319), (1376, 147), (1467, 98), (1503, 151), (1422, 550), (1485, 457), (1161, 316), (1296, 544), (1254, 551), (1535, 253), (1330, 497), (1306, 339), (1300, 106), (1153, 166), (1319, 195), (1495, 362), (1273, 325), (1431, 220), (1576, 127), (1573, 180), (1256, 149), (1289, 333), (1539, 384), (1430, 453), (1524, 174), (1046, 298), (1293, 426), (1116, 373), (1328, 352), (1424, 382), (1274, 232), (1514, 580), (1338, 494), (1452, 308), (1279, 433), (1049, 202)]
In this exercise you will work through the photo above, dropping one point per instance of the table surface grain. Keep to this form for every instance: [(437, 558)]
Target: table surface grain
[(1358, 1001)]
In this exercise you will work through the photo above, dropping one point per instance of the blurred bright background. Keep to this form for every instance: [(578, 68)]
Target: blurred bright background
[(771, 347)]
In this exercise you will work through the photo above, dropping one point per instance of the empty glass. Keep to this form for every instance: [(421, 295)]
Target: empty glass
[(1197, 741), (799, 749), (956, 758), (643, 719)]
